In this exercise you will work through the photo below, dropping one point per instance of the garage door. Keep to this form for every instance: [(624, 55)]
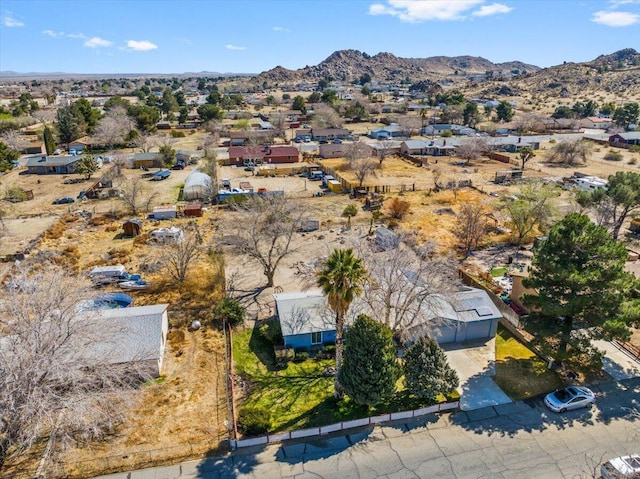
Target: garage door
[(476, 330), (445, 333)]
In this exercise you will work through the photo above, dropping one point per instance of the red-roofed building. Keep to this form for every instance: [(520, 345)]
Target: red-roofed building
[(282, 154), (240, 155)]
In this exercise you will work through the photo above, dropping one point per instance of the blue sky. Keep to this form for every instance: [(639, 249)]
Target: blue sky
[(111, 36)]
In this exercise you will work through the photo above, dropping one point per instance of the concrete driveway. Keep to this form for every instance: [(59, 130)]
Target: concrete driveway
[(617, 363), (474, 362)]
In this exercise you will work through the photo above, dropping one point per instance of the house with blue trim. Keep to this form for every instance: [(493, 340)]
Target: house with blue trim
[(48, 165), (390, 131), (305, 319)]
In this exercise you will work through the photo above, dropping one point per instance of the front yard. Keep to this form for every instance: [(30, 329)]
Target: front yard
[(298, 395), (520, 373)]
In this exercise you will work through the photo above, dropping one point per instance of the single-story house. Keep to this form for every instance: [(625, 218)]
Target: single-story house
[(256, 137), (464, 316), (625, 139), (186, 156), (81, 144), (305, 319), (326, 134), (596, 122), (333, 150), (35, 148), (439, 128), (47, 165), (430, 147), (282, 154), (386, 133), (513, 144), (147, 160), (238, 155)]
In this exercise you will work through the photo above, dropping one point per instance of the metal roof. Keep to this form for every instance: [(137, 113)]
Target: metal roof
[(303, 313)]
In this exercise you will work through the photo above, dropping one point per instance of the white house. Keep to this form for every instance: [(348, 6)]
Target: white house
[(596, 122)]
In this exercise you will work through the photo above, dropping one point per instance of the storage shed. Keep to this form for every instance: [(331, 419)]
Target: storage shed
[(132, 227), (164, 212), (193, 210), (197, 186)]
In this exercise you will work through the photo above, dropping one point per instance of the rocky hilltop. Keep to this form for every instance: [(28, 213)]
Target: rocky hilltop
[(349, 65)]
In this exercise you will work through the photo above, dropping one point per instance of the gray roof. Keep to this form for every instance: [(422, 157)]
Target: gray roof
[(630, 135), (52, 160), (197, 178), (303, 313), (413, 144), (145, 156), (465, 306), (136, 333)]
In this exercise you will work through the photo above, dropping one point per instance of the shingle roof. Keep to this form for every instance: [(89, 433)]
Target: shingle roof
[(52, 160)]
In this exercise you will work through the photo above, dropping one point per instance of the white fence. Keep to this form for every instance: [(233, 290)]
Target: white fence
[(341, 426)]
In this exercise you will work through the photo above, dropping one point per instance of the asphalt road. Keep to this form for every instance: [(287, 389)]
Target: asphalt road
[(517, 441)]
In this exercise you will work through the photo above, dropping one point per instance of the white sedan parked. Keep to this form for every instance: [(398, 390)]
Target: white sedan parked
[(573, 397)]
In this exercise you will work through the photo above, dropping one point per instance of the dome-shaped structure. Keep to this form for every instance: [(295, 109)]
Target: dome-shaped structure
[(197, 186)]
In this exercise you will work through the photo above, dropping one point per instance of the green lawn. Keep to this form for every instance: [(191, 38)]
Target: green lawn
[(298, 396), (498, 271), (520, 373)]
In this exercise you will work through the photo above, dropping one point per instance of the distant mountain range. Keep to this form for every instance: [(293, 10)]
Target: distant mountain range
[(55, 75), (348, 65)]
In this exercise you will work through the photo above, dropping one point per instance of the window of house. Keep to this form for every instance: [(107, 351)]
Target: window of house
[(316, 337)]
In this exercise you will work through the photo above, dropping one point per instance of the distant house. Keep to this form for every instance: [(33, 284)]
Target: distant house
[(513, 144), (304, 319), (464, 316), (626, 139), (439, 128), (333, 150), (147, 160), (282, 154), (431, 147), (165, 212), (35, 148), (52, 165), (386, 133), (81, 144), (596, 122), (327, 134), (256, 137)]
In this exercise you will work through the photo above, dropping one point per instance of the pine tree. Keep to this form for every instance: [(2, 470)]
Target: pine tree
[(49, 142), (369, 371), (427, 371)]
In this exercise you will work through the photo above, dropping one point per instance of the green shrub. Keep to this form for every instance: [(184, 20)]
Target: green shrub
[(177, 134), (253, 421), (633, 161), (613, 156), (230, 310), (634, 148), (552, 141), (271, 330), (330, 351), (301, 356)]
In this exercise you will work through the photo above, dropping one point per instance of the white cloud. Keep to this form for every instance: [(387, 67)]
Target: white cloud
[(97, 42), (616, 19), (281, 29), (141, 45), (52, 34), (421, 10), (9, 21), (493, 9), (229, 46), (76, 35)]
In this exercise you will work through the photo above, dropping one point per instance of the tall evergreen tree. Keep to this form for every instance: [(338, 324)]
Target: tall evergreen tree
[(369, 371), (583, 290), (49, 142), (427, 372)]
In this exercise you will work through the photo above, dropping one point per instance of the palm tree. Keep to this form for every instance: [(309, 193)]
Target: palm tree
[(341, 279)]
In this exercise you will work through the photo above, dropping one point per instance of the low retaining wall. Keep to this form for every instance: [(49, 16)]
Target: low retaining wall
[(341, 426)]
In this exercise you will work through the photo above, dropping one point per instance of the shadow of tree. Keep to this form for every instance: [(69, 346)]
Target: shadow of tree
[(262, 348)]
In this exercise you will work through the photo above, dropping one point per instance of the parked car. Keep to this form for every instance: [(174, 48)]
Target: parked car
[(63, 201), (572, 397), (622, 467), (178, 166), (336, 141)]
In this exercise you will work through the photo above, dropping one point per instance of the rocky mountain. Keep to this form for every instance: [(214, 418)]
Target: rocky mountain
[(617, 73), (348, 65)]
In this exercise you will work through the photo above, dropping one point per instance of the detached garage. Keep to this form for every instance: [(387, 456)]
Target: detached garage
[(465, 316)]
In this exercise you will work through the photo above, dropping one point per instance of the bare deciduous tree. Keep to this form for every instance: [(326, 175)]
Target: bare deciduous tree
[(210, 164), (145, 141), (114, 126), (404, 283), (385, 147), (362, 168), (14, 140), (44, 115), (471, 225), (570, 153), (326, 117), (136, 196), (55, 384), (472, 149), (178, 256), (265, 229)]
